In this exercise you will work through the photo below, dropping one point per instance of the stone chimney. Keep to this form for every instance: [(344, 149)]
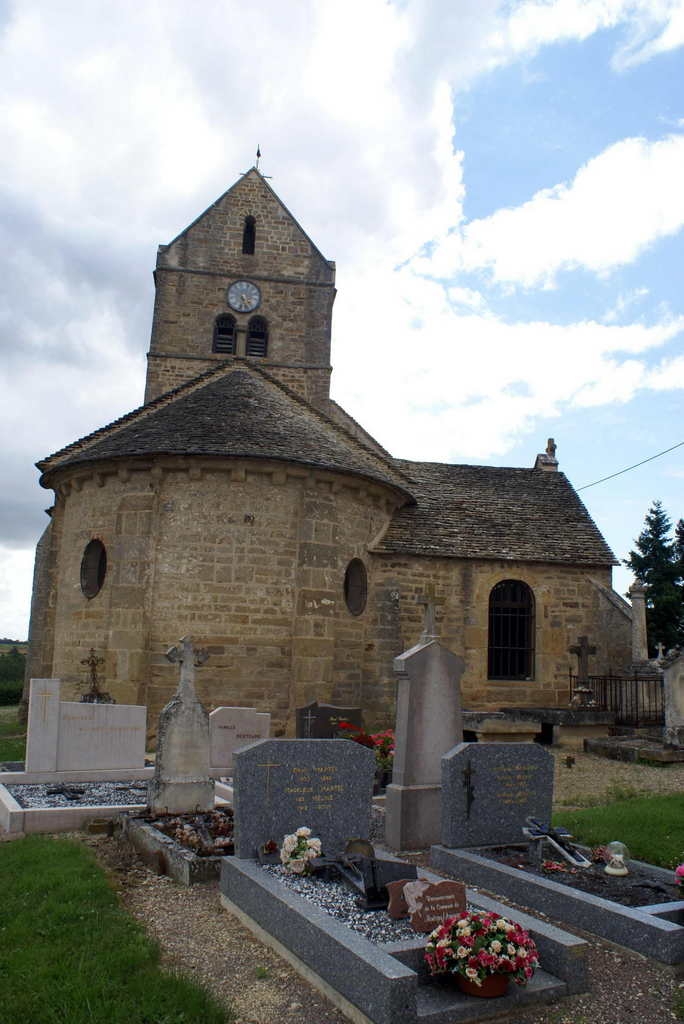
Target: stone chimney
[(547, 460)]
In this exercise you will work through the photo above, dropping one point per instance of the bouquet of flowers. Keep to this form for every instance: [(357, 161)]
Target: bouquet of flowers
[(298, 850), (679, 877), (476, 944)]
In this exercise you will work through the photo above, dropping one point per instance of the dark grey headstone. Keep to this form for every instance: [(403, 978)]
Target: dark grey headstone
[(280, 785), (489, 789), (321, 721)]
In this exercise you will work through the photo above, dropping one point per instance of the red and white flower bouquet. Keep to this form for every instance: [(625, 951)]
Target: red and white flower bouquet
[(477, 944)]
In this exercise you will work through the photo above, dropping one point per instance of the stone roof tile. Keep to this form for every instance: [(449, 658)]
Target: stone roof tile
[(494, 513)]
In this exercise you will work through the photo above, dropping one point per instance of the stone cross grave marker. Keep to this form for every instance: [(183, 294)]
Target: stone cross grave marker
[(281, 785), (490, 789), (181, 782), (321, 721), (582, 649), (232, 728)]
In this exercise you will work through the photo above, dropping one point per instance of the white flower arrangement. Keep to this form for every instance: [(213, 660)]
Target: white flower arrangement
[(298, 850)]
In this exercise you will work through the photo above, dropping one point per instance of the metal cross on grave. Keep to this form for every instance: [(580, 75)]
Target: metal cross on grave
[(582, 649), (188, 657), (92, 661)]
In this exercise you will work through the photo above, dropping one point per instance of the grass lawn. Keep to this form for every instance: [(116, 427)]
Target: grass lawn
[(651, 827), (12, 735), (70, 954)]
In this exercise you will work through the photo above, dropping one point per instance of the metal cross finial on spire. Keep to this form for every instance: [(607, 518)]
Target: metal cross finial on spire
[(258, 157)]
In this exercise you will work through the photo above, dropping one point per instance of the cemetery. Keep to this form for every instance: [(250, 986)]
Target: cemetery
[(315, 866)]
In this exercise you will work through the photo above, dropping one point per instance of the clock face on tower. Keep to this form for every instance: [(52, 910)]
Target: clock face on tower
[(243, 296)]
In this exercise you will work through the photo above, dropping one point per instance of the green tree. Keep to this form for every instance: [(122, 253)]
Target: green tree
[(12, 666), (657, 562)]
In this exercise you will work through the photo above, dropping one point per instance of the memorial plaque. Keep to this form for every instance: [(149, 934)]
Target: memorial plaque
[(490, 789), (321, 721), (431, 903), (280, 785)]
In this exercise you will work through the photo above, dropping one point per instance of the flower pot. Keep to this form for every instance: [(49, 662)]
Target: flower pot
[(492, 986), (383, 777)]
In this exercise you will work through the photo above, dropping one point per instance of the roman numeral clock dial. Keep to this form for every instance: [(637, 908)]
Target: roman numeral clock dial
[(243, 296)]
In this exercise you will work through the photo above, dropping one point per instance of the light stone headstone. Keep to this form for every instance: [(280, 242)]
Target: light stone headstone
[(42, 728), (489, 790), (673, 700), (232, 728), (428, 724), (281, 785), (72, 736), (182, 782)]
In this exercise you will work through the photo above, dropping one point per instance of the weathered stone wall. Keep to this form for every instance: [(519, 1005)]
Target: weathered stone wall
[(567, 604), (194, 272), (246, 557)]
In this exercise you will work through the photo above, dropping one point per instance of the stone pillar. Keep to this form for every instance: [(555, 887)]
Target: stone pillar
[(428, 725), (637, 595), (673, 699)]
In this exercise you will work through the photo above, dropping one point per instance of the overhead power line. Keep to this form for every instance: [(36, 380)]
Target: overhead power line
[(635, 466)]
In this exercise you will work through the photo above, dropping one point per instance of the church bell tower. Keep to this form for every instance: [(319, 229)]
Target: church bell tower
[(243, 282)]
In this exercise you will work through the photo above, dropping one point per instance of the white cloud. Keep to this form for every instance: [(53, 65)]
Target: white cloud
[(16, 576), (619, 203)]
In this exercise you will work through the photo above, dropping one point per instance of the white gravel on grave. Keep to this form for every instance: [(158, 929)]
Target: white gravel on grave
[(340, 902), (81, 794)]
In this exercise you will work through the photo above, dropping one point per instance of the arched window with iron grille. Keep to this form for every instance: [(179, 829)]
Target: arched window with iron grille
[(249, 236), (257, 337), (511, 631), (224, 334)]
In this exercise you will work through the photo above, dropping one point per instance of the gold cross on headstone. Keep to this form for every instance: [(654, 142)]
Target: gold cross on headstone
[(268, 765)]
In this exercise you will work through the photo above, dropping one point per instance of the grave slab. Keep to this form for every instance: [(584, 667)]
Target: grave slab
[(387, 984)]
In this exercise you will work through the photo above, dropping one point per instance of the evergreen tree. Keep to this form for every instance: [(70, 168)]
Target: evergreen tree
[(657, 563)]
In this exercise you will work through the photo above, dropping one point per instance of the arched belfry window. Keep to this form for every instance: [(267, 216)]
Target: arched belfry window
[(511, 631), (249, 236), (224, 334), (257, 337)]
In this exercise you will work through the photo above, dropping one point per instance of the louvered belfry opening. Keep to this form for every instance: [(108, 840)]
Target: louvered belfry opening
[(224, 335), (511, 631), (257, 337)]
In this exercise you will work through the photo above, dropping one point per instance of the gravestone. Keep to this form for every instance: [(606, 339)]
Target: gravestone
[(428, 724), (321, 721), (73, 736), (181, 782), (280, 785), (232, 728), (489, 789), (673, 700)]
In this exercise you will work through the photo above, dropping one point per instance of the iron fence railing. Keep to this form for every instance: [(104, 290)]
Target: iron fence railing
[(635, 701)]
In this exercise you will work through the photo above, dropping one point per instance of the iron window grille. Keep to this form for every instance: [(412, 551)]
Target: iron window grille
[(511, 631)]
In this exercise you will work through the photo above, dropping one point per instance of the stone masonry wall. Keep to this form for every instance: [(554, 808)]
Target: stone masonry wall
[(566, 606), (246, 557)]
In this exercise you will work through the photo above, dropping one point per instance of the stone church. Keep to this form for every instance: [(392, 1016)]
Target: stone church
[(241, 505)]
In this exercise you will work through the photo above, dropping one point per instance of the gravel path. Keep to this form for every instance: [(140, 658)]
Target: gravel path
[(201, 939)]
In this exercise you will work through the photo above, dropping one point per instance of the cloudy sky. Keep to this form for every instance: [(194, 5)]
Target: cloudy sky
[(500, 183)]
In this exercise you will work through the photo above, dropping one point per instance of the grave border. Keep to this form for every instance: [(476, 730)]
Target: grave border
[(645, 932), (382, 984)]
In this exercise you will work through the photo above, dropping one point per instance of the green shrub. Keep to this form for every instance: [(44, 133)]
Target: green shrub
[(10, 691)]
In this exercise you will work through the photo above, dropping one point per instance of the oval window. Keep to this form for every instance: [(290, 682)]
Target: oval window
[(356, 586), (93, 568)]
